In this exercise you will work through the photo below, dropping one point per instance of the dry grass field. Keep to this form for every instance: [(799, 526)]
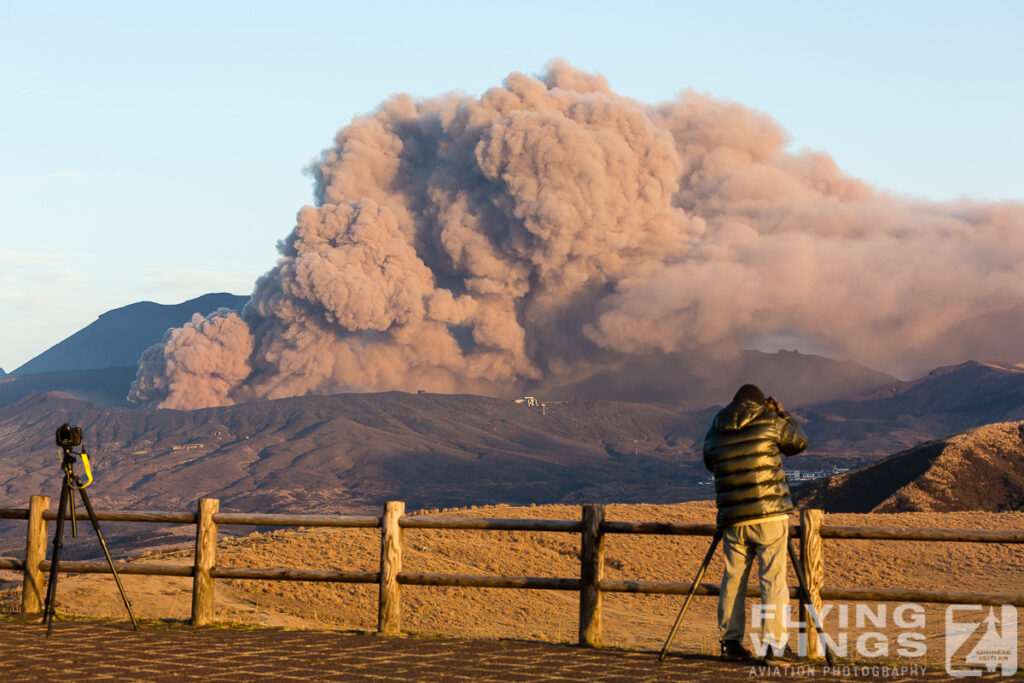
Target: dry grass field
[(629, 620)]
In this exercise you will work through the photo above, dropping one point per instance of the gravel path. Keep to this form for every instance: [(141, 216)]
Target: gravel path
[(102, 650)]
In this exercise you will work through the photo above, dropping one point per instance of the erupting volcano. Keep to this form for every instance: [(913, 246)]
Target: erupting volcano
[(551, 229)]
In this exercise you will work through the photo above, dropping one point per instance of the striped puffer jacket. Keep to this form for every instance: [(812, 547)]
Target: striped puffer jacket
[(743, 450)]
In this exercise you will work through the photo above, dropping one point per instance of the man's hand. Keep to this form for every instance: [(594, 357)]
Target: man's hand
[(774, 405)]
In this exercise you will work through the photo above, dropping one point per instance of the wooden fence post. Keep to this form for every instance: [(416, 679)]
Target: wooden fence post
[(35, 552), (812, 557), (389, 597), (206, 556), (591, 573)]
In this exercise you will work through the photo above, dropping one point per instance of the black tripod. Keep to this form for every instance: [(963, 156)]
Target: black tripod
[(693, 589), (802, 593), (71, 483)]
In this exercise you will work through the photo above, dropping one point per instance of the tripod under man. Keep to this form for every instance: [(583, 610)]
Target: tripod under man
[(68, 437)]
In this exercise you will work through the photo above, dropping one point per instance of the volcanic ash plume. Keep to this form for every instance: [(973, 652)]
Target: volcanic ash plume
[(551, 229)]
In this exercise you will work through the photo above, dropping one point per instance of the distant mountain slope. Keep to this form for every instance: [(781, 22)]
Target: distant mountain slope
[(796, 378), (413, 443), (118, 337), (952, 380), (947, 401), (104, 387), (982, 469), (351, 452)]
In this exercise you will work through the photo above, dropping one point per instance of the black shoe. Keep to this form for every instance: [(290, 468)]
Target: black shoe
[(733, 651), (785, 657)]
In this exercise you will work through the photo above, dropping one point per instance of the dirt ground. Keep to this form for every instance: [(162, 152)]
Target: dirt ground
[(633, 621)]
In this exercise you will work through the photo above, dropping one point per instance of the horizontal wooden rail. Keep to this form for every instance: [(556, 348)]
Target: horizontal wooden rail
[(328, 575), (13, 513), (489, 581), (130, 516), (141, 568), (905, 595), (9, 563), (903, 534), (427, 522), (151, 569), (248, 518), (663, 528), (672, 588)]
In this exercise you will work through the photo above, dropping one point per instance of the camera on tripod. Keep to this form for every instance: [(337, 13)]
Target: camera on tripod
[(69, 436)]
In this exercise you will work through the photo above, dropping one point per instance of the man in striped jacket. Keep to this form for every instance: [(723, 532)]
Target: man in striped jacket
[(743, 450)]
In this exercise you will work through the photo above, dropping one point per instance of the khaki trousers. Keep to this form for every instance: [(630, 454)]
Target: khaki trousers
[(767, 541)]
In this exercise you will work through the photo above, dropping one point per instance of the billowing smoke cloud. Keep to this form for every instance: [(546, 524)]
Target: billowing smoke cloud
[(551, 228)]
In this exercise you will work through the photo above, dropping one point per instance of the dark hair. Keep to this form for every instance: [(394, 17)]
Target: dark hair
[(749, 392)]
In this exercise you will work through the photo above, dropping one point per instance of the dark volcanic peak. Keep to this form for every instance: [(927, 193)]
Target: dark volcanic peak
[(981, 469), (118, 337), (105, 386)]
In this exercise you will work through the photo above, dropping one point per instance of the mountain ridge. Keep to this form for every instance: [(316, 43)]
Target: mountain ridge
[(101, 386), (979, 469), (696, 382), (119, 336)]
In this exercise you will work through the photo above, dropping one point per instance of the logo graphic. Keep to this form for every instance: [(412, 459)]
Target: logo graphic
[(995, 649)]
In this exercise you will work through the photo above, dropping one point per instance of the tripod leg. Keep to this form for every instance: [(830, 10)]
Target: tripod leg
[(693, 589), (103, 544), (805, 598), (51, 585)]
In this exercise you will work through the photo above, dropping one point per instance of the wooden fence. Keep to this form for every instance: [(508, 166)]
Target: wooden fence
[(591, 584)]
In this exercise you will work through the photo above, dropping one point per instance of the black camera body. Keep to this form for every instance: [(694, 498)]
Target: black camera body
[(69, 436)]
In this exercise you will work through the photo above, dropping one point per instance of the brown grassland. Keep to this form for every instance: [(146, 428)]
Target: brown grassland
[(635, 621)]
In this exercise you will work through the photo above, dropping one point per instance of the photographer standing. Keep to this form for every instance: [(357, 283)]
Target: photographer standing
[(743, 450)]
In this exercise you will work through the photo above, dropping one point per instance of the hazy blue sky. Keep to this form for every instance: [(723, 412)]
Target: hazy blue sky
[(155, 150)]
